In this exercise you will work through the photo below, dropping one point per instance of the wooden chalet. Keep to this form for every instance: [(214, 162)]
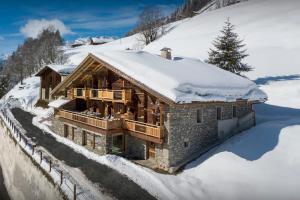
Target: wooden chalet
[(110, 111)]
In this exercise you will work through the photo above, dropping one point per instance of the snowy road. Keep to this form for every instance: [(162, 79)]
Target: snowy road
[(119, 186)]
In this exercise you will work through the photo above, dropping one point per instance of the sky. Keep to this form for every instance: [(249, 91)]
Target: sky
[(74, 18)]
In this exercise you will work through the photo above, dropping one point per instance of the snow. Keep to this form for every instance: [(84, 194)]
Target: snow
[(77, 55), (23, 95), (102, 39), (87, 40), (182, 79), (58, 102), (269, 28), (260, 163), (62, 69)]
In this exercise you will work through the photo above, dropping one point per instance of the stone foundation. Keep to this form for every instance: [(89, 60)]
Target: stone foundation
[(189, 130), (102, 142)]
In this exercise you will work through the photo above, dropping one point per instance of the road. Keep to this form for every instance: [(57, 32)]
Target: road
[(109, 179)]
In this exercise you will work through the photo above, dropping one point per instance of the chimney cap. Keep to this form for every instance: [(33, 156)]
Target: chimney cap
[(166, 49)]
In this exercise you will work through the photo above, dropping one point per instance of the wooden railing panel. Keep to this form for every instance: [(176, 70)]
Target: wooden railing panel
[(103, 94), (135, 126), (143, 128), (100, 123)]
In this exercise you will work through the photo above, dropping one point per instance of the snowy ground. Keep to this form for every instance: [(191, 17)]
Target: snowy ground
[(260, 163)]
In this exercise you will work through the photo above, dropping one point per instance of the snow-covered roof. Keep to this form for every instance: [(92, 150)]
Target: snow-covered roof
[(63, 70), (182, 79), (102, 39)]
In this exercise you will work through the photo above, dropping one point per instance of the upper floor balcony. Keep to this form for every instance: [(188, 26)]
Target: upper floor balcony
[(121, 96)]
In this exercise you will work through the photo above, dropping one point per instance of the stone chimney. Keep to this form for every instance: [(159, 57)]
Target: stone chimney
[(166, 53)]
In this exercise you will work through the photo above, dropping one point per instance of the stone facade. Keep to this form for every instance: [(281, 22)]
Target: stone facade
[(82, 137), (189, 130), (187, 137)]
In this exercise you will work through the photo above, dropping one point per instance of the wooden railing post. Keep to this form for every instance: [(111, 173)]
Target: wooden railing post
[(50, 165), (74, 190), (61, 177)]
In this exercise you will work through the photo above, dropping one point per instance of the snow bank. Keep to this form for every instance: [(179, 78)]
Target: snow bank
[(182, 79), (23, 95), (57, 103)]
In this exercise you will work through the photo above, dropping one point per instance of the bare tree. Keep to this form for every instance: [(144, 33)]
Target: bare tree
[(150, 23), (35, 53)]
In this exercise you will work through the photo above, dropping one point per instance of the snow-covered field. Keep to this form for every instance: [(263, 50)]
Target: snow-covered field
[(260, 163)]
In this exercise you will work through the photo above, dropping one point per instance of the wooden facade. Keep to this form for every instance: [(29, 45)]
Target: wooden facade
[(49, 80), (102, 96)]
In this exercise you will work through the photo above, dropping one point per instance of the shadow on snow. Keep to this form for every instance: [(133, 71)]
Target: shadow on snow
[(252, 144), (266, 80)]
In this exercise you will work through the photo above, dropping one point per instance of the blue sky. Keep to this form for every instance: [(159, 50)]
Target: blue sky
[(77, 18)]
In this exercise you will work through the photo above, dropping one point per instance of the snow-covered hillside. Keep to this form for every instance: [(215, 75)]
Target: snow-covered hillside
[(270, 29), (260, 163)]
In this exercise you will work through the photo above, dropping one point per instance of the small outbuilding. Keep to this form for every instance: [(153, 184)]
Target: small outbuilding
[(51, 76)]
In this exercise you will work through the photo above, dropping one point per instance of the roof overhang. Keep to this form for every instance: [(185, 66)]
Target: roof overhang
[(92, 59)]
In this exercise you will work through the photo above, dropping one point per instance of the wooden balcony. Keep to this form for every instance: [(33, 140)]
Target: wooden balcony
[(90, 120), (144, 131), (143, 128), (122, 96)]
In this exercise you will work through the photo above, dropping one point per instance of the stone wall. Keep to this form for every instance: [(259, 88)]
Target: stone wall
[(23, 179), (188, 137), (103, 143)]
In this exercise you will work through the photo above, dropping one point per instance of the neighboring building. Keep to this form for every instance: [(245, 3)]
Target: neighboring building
[(144, 106), (91, 41), (51, 76)]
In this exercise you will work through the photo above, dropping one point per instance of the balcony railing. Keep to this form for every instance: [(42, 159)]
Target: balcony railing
[(111, 95), (131, 125), (90, 120), (143, 128)]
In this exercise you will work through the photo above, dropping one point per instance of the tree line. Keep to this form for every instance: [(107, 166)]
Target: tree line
[(30, 57), (33, 54)]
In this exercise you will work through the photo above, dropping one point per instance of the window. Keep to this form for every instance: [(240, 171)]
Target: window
[(186, 144), (219, 113), (66, 130), (234, 111), (199, 116)]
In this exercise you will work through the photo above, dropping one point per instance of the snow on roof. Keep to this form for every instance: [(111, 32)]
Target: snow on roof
[(63, 70), (102, 39), (182, 79)]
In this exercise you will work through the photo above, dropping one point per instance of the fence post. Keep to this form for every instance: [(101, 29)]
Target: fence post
[(74, 192), (61, 177), (50, 165), (41, 156)]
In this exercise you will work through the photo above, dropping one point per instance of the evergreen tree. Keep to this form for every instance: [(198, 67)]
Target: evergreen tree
[(229, 52)]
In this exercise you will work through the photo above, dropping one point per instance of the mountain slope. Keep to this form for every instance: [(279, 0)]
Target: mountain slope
[(270, 29)]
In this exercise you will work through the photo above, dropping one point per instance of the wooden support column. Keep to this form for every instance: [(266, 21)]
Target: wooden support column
[(145, 107), (162, 113), (83, 138), (73, 130), (94, 141), (162, 117)]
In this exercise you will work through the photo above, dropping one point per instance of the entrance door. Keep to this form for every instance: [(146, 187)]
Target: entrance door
[(151, 150)]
